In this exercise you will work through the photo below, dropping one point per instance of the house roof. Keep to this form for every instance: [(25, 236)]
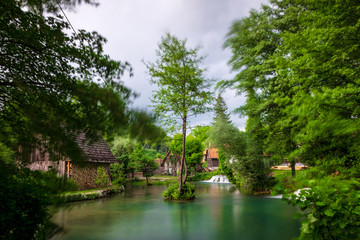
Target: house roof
[(212, 152), (96, 152)]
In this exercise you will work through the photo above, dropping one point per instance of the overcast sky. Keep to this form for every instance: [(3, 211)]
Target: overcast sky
[(133, 29)]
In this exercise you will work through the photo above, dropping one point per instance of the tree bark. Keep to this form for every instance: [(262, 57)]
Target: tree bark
[(292, 164), (182, 157), (186, 172)]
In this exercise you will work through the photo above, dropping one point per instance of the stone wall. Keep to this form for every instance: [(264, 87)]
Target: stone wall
[(85, 175)]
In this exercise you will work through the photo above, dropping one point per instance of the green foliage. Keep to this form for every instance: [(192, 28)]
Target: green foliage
[(122, 147), (237, 160), (220, 110), (183, 89), (117, 174), (225, 167), (201, 132), (330, 209), (180, 79), (193, 149), (172, 192), (299, 79), (6, 154), (143, 163), (85, 94), (101, 177), (25, 196), (151, 153)]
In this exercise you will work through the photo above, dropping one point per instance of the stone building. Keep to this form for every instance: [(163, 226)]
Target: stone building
[(170, 165), (98, 154), (211, 157)]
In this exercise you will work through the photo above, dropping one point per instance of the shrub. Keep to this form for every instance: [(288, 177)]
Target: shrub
[(24, 197), (117, 174), (330, 209), (172, 192), (101, 177)]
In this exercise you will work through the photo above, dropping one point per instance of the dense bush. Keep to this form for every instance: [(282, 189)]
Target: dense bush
[(117, 174), (330, 209), (24, 197), (172, 192), (225, 167), (101, 177)]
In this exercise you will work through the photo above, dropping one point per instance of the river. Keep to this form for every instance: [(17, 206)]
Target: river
[(219, 212)]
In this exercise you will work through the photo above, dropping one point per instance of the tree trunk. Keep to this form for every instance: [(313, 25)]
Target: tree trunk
[(186, 171), (292, 164), (182, 157)]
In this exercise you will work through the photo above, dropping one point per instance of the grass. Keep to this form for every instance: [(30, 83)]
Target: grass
[(86, 191), (286, 183), (89, 194), (156, 180)]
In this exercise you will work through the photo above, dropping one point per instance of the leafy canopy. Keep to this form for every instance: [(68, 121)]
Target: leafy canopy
[(182, 87)]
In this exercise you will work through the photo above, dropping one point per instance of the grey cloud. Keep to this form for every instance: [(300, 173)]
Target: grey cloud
[(134, 27)]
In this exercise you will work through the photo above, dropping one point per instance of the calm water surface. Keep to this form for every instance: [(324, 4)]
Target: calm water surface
[(219, 212)]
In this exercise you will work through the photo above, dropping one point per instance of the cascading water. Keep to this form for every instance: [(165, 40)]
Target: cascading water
[(219, 179)]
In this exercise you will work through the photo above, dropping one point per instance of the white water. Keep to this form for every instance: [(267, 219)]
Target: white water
[(276, 196), (218, 179)]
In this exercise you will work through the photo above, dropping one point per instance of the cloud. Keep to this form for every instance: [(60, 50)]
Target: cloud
[(134, 27)]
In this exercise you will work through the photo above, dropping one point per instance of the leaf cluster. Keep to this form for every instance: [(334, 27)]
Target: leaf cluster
[(55, 83)]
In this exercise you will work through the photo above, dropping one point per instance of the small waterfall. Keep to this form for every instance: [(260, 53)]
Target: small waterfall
[(219, 179)]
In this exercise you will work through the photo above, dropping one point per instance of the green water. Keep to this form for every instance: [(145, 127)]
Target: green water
[(219, 212)]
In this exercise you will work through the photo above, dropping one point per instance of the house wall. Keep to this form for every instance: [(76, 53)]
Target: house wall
[(85, 175), (45, 166), (213, 162)]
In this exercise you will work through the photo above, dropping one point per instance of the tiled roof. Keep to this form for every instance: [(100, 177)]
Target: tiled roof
[(212, 152), (96, 152)]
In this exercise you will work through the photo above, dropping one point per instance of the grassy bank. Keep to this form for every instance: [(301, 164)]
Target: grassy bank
[(90, 194), (285, 183)]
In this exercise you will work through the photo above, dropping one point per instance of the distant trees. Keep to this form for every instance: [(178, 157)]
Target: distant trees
[(193, 150), (220, 110), (142, 162), (182, 87), (234, 151)]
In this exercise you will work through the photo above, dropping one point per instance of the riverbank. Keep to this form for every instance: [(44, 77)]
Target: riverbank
[(90, 194)]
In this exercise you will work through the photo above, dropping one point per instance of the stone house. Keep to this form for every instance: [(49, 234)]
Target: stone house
[(98, 154), (211, 157), (170, 165)]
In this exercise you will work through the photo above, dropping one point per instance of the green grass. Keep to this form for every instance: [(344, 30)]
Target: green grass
[(286, 183), (86, 191)]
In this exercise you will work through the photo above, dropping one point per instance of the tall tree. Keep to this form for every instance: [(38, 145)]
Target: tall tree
[(254, 41), (220, 109), (183, 89)]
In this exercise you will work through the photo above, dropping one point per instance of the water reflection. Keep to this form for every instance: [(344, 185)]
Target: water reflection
[(219, 212)]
